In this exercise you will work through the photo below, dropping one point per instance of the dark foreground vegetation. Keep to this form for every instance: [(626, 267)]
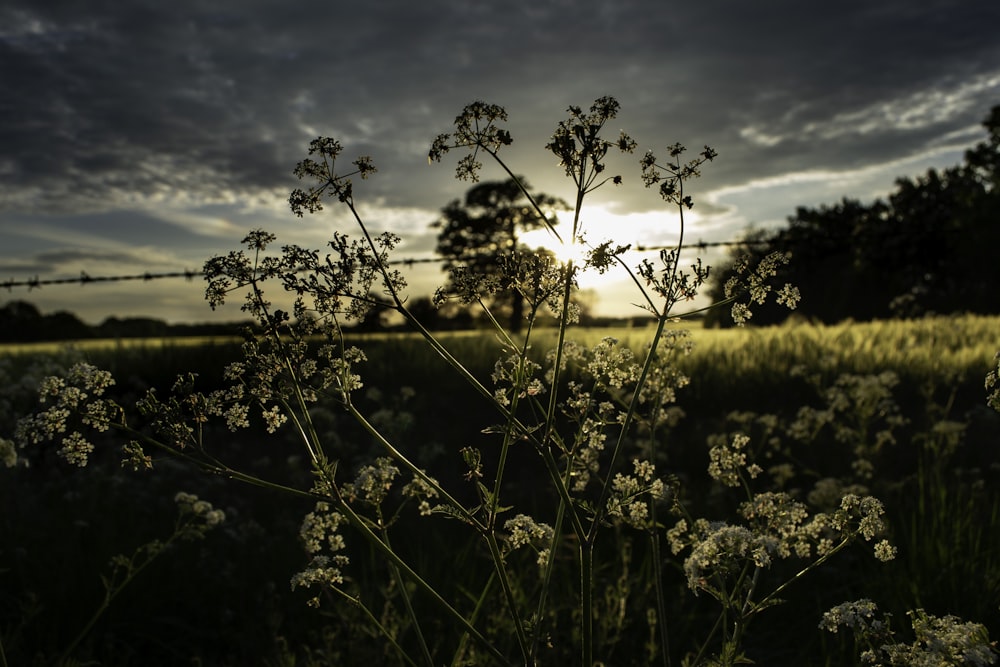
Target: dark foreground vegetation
[(225, 600), (559, 495)]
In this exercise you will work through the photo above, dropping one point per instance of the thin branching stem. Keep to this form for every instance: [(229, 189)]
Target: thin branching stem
[(404, 592)]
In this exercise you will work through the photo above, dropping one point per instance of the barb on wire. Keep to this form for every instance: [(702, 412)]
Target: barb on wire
[(85, 278)]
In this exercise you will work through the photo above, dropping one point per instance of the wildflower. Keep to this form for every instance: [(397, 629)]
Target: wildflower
[(741, 314), (993, 382), (626, 501), (202, 516), (422, 491), (523, 530), (8, 453), (136, 457), (321, 571), (373, 482), (938, 641), (725, 549), (237, 416), (675, 536), (319, 530), (867, 511), (274, 418), (885, 551), (789, 296), (75, 449), (726, 461), (854, 615)]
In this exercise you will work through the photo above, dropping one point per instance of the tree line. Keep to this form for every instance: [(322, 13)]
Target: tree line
[(22, 322), (929, 248)]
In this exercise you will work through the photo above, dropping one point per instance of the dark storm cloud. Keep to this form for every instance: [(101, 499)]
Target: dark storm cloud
[(46, 263), (108, 101)]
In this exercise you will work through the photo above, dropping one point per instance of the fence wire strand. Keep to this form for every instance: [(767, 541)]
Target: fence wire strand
[(86, 279)]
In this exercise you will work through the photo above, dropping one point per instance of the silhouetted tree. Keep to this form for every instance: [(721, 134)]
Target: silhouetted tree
[(478, 231), (22, 322), (928, 248)]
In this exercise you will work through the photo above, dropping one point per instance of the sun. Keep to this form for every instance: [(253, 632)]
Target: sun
[(597, 224)]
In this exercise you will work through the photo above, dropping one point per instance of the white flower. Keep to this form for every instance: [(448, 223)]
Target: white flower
[(885, 551), (8, 453), (76, 449)]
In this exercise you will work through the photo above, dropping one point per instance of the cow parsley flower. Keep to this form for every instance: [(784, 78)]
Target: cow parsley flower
[(8, 453), (76, 449)]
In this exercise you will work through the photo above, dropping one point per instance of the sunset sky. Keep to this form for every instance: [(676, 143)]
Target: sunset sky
[(144, 136)]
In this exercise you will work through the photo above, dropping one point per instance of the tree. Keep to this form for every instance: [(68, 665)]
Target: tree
[(478, 232), (927, 248)]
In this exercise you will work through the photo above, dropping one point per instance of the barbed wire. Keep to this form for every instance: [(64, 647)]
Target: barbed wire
[(85, 278)]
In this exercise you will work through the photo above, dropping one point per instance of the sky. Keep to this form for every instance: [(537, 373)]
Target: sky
[(145, 137)]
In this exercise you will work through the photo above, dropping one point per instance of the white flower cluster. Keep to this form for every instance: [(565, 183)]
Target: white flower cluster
[(778, 527), (722, 549), (515, 376), (197, 516), (938, 641), (78, 393), (631, 494), (756, 284), (423, 492), (993, 382), (857, 616), (726, 461), (318, 534), (522, 531), (372, 483), (8, 453)]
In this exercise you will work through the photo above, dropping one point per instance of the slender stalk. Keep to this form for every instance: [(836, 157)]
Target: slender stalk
[(757, 607), (378, 625), (508, 435), (406, 600), (661, 610), (484, 530), (524, 191), (414, 469), (587, 600), (112, 590), (463, 642), (508, 593), (361, 525), (546, 581)]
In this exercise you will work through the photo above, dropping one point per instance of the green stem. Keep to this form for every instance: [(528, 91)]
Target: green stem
[(626, 425), (754, 608), (508, 593), (375, 622), (361, 526), (414, 469), (406, 600), (661, 609), (524, 191), (546, 581), (587, 600), (463, 642), (111, 591)]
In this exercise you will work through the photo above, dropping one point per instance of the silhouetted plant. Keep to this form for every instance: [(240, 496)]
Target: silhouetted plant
[(575, 570)]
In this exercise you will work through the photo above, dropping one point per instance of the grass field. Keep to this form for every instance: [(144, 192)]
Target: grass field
[(939, 479)]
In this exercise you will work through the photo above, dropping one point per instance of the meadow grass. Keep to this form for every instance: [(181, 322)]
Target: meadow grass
[(934, 346), (731, 370), (511, 498)]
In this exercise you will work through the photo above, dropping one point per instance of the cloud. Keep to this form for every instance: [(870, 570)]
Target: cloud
[(178, 124)]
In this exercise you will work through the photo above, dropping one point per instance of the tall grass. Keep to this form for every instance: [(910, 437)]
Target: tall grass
[(552, 497)]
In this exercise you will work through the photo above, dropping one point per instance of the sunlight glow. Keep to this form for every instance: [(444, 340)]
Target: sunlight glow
[(598, 224)]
